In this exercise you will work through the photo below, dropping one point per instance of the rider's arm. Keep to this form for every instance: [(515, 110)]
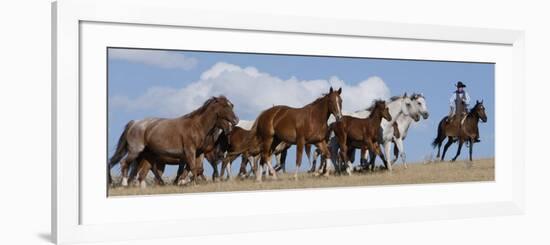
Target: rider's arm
[(452, 100)]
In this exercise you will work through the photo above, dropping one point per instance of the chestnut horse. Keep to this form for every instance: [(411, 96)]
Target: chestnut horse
[(175, 139), (363, 133), (299, 126), (462, 130)]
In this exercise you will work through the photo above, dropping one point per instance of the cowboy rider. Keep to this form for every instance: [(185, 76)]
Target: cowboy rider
[(459, 94)]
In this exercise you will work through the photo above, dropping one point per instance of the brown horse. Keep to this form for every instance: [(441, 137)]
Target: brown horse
[(362, 133), (299, 126), (242, 143), (177, 138), (463, 130), (212, 149)]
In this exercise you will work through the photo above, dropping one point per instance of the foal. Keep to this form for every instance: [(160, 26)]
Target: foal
[(362, 133)]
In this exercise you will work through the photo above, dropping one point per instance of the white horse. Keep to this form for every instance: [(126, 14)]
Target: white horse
[(404, 110), (418, 107)]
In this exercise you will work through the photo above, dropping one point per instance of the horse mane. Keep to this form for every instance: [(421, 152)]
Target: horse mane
[(415, 96), (204, 106), (319, 99), (473, 109), (396, 97), (373, 105)]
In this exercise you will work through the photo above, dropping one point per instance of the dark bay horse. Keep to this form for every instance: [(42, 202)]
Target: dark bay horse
[(175, 139), (299, 126), (362, 133), (242, 143), (463, 130)]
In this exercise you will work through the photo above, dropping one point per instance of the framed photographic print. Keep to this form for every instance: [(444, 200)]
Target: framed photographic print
[(235, 122)]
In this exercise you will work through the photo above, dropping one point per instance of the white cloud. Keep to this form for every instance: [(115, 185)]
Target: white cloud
[(251, 91), (159, 58)]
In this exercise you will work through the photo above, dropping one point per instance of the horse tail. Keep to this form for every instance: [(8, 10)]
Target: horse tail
[(122, 146), (440, 134)]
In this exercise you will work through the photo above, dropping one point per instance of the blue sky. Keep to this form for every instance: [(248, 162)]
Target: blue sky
[(161, 83)]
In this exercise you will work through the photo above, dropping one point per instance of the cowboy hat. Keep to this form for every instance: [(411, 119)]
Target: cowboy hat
[(460, 85)]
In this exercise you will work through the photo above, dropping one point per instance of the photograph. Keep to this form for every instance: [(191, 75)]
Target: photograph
[(197, 121)]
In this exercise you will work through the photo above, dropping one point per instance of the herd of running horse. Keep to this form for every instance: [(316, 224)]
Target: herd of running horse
[(214, 132)]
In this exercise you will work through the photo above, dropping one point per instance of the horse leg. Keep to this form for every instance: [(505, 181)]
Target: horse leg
[(313, 164), (228, 169), (124, 172), (381, 155), (179, 173), (351, 154), (439, 150), (144, 167), (282, 160), (269, 165), (135, 167), (278, 160), (351, 158), (189, 156), (363, 158), (124, 164), (387, 146), (323, 147), (215, 173), (450, 141), (460, 143), (222, 170), (244, 162), (226, 165), (299, 151), (254, 164), (344, 155), (308, 153), (375, 146), (372, 159), (158, 170), (396, 152), (401, 151), (265, 157), (199, 163), (471, 141)]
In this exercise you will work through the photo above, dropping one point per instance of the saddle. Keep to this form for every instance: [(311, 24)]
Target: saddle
[(457, 116)]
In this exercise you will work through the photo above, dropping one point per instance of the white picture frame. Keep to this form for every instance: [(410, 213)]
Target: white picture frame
[(68, 17)]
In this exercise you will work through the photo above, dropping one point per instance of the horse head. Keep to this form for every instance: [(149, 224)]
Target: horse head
[(335, 103), (479, 110), (225, 116), (381, 109), (419, 102), (408, 108)]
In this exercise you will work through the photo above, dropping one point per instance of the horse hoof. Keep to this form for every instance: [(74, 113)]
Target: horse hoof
[(124, 182)]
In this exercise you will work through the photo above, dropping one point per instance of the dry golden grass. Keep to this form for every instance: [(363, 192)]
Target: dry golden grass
[(438, 172)]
